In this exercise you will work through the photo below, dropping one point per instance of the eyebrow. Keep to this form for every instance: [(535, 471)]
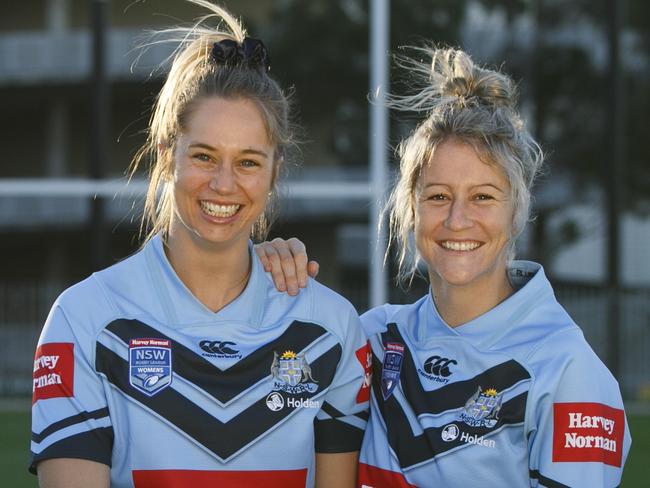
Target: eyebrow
[(433, 183), (249, 150)]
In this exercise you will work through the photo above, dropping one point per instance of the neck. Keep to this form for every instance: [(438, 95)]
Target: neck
[(458, 305), (215, 274)]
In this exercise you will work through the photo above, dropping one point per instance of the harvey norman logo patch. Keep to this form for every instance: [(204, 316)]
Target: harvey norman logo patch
[(364, 356), (53, 371), (150, 364), (588, 432)]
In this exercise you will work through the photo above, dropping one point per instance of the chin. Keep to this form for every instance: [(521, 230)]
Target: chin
[(457, 279)]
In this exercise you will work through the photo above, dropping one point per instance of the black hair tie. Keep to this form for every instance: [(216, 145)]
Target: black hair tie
[(250, 53)]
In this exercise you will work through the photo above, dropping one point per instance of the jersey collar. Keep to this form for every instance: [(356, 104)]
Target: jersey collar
[(182, 308), (531, 287)]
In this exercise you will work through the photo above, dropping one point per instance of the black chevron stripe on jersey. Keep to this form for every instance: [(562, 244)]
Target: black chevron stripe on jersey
[(412, 449), (224, 439), (454, 395), (224, 385)]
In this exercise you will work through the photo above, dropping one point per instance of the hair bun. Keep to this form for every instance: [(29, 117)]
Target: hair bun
[(458, 76), (451, 78)]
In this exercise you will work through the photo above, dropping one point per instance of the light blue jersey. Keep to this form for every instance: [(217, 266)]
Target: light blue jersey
[(513, 398), (134, 372)]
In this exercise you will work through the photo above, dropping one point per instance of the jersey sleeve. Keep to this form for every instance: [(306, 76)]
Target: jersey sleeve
[(341, 421), (577, 430), (70, 416)]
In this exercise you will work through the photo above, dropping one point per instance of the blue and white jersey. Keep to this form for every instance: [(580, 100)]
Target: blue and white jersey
[(515, 397), (134, 372)]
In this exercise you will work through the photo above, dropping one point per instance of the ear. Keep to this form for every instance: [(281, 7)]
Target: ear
[(163, 147), (277, 164), (165, 157)]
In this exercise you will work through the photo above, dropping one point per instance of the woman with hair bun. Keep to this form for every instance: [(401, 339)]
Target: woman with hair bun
[(486, 379), (182, 365)]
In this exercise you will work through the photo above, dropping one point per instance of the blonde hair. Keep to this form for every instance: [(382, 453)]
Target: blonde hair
[(194, 76), (473, 105)]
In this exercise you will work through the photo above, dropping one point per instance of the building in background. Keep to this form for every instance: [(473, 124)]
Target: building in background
[(321, 48)]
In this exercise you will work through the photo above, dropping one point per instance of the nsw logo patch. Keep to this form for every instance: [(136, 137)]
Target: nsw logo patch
[(391, 368), (53, 371), (588, 432), (150, 365)]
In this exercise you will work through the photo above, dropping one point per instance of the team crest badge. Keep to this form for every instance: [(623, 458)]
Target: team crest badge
[(292, 373), (482, 409), (391, 368), (150, 365)]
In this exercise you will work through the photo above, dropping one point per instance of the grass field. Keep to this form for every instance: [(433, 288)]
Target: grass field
[(14, 455)]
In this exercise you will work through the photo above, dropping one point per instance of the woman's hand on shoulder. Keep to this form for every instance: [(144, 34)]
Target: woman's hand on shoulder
[(287, 262)]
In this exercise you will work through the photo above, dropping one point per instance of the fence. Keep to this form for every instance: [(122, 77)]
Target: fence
[(24, 307)]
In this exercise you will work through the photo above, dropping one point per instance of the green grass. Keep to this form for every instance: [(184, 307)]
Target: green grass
[(14, 452), (635, 474)]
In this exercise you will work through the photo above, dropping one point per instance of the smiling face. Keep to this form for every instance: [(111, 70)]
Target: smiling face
[(223, 172), (463, 219)]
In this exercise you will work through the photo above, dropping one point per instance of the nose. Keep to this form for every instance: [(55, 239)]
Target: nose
[(458, 218), (223, 179)]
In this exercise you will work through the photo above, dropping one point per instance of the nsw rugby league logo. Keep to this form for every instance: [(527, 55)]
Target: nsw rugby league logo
[(150, 365), (391, 368), (292, 373)]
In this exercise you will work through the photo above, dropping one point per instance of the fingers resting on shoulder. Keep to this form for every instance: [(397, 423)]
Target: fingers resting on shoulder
[(287, 262)]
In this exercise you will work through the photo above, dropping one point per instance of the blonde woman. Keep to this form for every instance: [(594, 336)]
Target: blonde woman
[(485, 380), (182, 365)]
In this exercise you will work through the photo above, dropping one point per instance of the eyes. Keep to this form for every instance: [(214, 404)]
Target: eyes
[(444, 197), (208, 159)]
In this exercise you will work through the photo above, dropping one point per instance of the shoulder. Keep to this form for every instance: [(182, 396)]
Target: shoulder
[(376, 320), (91, 303), (85, 303), (565, 361), (125, 277), (324, 298), (533, 315), (328, 306), (315, 304)]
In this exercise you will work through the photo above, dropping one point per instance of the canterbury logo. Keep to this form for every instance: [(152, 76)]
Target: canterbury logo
[(438, 366), (218, 347)]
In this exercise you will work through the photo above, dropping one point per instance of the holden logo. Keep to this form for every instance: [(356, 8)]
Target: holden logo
[(450, 433), (274, 401)]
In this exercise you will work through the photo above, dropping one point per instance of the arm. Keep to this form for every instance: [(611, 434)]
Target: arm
[(72, 473), (71, 422), (337, 470), (287, 262), (576, 426), (340, 423)]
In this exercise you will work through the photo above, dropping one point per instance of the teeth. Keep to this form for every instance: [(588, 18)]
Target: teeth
[(219, 210), (460, 246)]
